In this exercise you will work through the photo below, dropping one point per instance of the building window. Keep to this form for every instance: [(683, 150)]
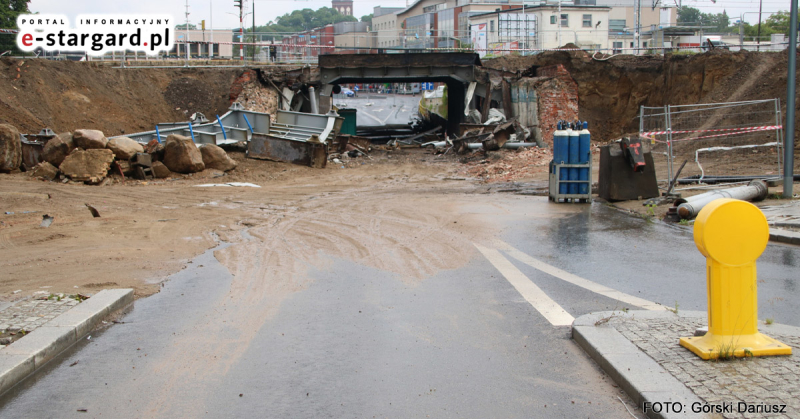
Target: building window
[(587, 21), (553, 20), (491, 26), (616, 25), (564, 20), (617, 47)]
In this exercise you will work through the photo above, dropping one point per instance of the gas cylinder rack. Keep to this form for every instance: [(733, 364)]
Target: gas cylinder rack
[(571, 167)]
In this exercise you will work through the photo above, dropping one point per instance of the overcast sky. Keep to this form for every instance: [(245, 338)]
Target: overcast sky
[(267, 10)]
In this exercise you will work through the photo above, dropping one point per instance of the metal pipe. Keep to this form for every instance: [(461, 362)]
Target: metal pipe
[(513, 146), (191, 131), (224, 135), (312, 97), (158, 134), (754, 191), (248, 123), (788, 149)]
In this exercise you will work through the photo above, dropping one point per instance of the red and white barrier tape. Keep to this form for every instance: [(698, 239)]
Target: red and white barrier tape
[(767, 127)]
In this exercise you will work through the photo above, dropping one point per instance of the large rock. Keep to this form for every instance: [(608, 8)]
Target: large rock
[(182, 156), (88, 139), (160, 171), (45, 170), (58, 148), (10, 148), (87, 165), (216, 158), (124, 148)]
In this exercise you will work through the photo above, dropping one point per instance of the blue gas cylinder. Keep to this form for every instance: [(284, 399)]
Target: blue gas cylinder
[(561, 152), (585, 155), (574, 156)]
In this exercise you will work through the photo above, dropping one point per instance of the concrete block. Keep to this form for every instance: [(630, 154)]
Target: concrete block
[(85, 316), (13, 369), (43, 344)]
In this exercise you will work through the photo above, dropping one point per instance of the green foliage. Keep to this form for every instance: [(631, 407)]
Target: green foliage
[(775, 23), (9, 10), (367, 19), (301, 20), (769, 320)]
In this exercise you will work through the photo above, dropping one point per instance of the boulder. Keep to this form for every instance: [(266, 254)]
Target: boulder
[(124, 147), (182, 156), (216, 158), (45, 170), (10, 148), (87, 165), (58, 148), (88, 139), (160, 171)]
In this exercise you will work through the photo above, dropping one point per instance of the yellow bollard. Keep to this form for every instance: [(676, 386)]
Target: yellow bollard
[(732, 234)]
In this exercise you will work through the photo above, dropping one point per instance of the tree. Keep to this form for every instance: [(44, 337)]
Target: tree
[(367, 19), (689, 16), (778, 22), (302, 20), (9, 10)]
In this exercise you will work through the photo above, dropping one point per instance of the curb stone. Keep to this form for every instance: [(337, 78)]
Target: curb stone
[(642, 378), (784, 236), (23, 357)]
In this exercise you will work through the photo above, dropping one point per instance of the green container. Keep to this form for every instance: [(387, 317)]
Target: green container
[(349, 124)]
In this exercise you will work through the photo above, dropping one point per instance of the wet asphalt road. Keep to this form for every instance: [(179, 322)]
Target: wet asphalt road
[(357, 342)]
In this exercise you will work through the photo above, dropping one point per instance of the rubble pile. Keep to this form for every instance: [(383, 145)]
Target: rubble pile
[(513, 165), (88, 156), (259, 98)]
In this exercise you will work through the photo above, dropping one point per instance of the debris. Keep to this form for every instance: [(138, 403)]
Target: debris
[(142, 166), (496, 116), (73, 364), (94, 212), (88, 139), (167, 219), (124, 148), (215, 157), (45, 170), (242, 184), (10, 148), (58, 148), (46, 221), (17, 292), (87, 165), (160, 171), (181, 155), (83, 410)]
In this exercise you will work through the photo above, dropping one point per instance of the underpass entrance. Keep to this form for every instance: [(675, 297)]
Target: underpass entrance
[(455, 70)]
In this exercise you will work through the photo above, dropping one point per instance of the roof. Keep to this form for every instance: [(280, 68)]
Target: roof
[(542, 6)]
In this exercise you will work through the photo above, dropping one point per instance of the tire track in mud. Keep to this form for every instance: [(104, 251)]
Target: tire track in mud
[(408, 233)]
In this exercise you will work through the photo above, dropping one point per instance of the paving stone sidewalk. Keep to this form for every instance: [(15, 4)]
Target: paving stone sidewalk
[(29, 314), (762, 380)]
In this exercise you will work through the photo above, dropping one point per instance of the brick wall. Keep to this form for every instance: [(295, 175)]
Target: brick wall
[(558, 99)]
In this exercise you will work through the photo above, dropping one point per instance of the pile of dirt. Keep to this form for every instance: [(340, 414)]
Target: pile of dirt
[(507, 165), (62, 95), (611, 90)]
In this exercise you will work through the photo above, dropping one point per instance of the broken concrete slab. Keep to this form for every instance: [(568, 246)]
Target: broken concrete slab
[(58, 148), (124, 148), (10, 148), (215, 157), (45, 170), (181, 155), (88, 139), (87, 165)]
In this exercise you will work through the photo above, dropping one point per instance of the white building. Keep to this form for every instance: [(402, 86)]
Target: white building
[(201, 42), (540, 27)]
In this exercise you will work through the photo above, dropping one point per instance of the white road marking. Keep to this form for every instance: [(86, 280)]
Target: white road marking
[(367, 114), (553, 312), (576, 280)]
